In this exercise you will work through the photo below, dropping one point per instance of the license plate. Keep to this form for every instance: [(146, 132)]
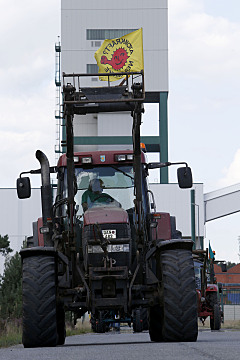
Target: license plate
[(109, 234)]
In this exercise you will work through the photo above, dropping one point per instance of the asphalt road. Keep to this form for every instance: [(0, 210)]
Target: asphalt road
[(218, 345)]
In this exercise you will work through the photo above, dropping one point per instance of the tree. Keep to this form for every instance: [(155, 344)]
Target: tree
[(229, 264), (11, 288), (5, 245)]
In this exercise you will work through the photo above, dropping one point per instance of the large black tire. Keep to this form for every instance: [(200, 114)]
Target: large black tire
[(137, 321), (180, 316), (144, 317), (176, 319), (215, 322), (39, 302), (100, 324), (93, 324), (61, 326), (155, 317)]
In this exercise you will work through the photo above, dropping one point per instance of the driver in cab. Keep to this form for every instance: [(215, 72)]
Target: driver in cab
[(94, 193)]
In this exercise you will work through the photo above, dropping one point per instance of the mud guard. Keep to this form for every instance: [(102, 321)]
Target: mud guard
[(38, 250), (172, 244)]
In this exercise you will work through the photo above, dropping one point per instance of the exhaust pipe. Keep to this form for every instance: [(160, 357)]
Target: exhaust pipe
[(46, 198), (45, 173)]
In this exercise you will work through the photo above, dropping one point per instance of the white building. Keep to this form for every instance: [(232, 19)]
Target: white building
[(85, 25)]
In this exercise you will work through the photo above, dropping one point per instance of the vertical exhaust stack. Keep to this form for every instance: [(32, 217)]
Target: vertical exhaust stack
[(46, 196)]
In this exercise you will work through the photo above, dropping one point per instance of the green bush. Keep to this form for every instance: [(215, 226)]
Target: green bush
[(11, 288)]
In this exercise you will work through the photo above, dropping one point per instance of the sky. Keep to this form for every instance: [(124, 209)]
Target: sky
[(203, 102), (203, 106)]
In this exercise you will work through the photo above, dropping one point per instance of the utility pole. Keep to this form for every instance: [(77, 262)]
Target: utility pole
[(239, 249)]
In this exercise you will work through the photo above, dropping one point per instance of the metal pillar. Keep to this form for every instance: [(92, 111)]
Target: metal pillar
[(193, 220), (163, 134)]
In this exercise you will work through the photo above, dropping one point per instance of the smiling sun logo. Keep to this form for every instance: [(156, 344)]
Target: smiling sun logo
[(120, 55), (118, 60)]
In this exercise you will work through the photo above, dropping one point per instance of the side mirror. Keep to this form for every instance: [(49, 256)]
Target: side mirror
[(23, 188), (184, 175)]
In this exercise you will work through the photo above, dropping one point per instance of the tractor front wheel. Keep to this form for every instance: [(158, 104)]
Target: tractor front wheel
[(100, 324), (137, 321), (39, 301), (155, 317), (61, 326), (215, 321), (180, 318), (175, 319)]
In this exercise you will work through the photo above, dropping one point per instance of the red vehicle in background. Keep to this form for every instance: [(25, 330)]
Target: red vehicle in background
[(207, 289)]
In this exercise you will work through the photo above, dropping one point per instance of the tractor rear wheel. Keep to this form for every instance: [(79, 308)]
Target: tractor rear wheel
[(215, 322), (61, 327), (137, 321), (155, 316), (178, 311), (39, 301), (144, 317), (100, 324)]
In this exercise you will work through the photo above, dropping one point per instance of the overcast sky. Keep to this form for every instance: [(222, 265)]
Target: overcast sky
[(203, 106), (204, 112)]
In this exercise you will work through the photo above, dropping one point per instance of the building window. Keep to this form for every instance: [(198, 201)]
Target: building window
[(102, 34), (92, 69)]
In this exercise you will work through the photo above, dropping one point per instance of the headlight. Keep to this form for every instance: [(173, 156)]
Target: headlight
[(120, 157), (86, 160)]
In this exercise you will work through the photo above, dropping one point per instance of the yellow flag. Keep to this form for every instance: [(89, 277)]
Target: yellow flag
[(124, 54)]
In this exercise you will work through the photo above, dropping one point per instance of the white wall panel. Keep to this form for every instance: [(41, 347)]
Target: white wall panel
[(118, 124), (110, 4), (77, 16), (170, 198), (231, 312), (17, 216)]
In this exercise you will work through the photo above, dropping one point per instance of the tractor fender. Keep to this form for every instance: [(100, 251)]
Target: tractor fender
[(38, 250), (212, 288), (46, 251), (199, 299), (175, 244), (172, 244)]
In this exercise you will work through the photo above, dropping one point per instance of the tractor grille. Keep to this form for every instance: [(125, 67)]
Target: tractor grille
[(119, 247)]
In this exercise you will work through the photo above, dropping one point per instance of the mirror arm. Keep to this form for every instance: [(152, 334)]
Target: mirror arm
[(23, 173), (52, 169), (179, 163), (160, 165)]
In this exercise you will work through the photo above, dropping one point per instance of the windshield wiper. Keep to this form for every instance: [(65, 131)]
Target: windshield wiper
[(123, 172)]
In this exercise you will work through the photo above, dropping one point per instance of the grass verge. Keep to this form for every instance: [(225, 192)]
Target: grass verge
[(79, 328), (12, 335), (228, 324)]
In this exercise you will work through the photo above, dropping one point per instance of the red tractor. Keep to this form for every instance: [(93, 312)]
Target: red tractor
[(99, 246), (207, 290)]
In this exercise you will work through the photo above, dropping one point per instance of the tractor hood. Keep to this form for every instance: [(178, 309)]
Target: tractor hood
[(105, 215)]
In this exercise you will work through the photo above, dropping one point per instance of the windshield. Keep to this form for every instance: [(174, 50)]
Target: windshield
[(104, 186)]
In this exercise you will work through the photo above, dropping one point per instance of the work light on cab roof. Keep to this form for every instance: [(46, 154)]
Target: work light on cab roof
[(86, 160), (123, 157)]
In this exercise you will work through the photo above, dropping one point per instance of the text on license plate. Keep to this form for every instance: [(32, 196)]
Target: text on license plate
[(109, 234)]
